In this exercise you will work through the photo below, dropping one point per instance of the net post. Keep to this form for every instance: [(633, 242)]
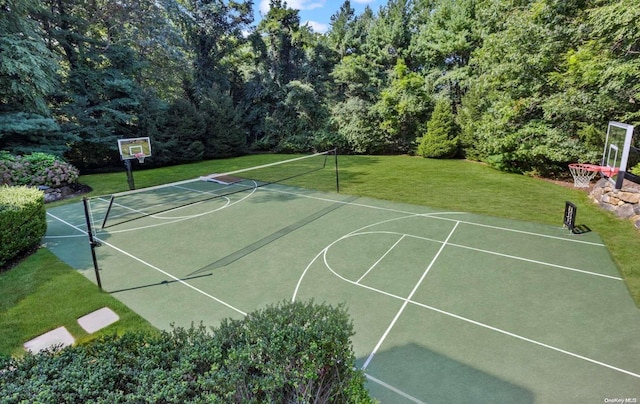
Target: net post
[(92, 241), (106, 215)]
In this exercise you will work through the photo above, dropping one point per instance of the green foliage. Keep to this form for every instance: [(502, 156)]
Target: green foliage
[(403, 107), (23, 132), (23, 220), (355, 121), (80, 75), (27, 65), (224, 134), (293, 352), (181, 137), (36, 169), (441, 139)]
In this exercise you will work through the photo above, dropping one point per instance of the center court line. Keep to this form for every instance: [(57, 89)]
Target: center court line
[(152, 267), (406, 301)]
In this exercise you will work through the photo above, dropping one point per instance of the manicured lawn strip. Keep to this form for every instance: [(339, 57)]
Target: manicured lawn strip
[(43, 293)]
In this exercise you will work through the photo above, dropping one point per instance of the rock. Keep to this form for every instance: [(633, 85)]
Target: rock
[(612, 200), (629, 197), (607, 207), (625, 211)]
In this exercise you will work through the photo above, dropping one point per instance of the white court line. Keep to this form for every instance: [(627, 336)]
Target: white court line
[(514, 257), (474, 322), (381, 258), (409, 214), (178, 219), (68, 236), (415, 288), (437, 216), (537, 262), (155, 216), (152, 267), (360, 231), (529, 340), (394, 389)]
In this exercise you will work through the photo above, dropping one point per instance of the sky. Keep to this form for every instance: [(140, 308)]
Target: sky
[(317, 13)]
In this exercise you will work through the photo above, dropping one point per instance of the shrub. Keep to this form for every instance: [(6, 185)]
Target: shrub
[(441, 140), (290, 353), (23, 221), (36, 169)]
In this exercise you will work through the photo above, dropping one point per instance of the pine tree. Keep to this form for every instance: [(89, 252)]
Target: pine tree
[(441, 140)]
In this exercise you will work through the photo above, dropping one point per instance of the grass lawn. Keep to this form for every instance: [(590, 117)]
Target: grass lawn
[(42, 293)]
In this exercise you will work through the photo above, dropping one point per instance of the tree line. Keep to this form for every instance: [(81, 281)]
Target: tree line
[(527, 86)]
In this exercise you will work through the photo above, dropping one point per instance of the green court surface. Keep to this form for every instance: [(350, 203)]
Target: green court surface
[(447, 306)]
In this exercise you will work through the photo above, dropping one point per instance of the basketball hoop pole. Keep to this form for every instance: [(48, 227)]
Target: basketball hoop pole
[(127, 165)]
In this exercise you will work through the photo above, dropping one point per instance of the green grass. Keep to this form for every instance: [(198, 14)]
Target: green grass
[(42, 293)]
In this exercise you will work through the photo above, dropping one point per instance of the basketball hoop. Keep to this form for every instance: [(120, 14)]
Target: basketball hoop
[(140, 157), (584, 173)]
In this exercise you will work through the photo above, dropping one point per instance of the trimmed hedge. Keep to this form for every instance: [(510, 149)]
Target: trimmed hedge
[(289, 353), (23, 220)]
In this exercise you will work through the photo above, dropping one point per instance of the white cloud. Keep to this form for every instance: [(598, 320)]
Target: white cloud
[(264, 6), (305, 5), (318, 27), (294, 4), (364, 1)]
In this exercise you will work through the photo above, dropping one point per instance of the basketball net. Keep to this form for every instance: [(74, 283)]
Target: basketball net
[(140, 157), (584, 173)]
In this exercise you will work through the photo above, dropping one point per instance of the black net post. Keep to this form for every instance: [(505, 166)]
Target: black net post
[(92, 241)]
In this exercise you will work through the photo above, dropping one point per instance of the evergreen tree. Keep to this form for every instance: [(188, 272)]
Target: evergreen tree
[(27, 78), (180, 140), (440, 140)]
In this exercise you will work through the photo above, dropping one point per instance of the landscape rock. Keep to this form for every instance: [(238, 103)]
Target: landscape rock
[(625, 203)]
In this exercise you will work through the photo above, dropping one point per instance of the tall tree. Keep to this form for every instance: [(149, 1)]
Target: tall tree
[(214, 30), (27, 77), (341, 25), (447, 34), (281, 33), (389, 36), (404, 108), (27, 66), (514, 67)]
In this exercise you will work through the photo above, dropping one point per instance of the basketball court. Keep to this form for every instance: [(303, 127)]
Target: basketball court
[(447, 306)]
